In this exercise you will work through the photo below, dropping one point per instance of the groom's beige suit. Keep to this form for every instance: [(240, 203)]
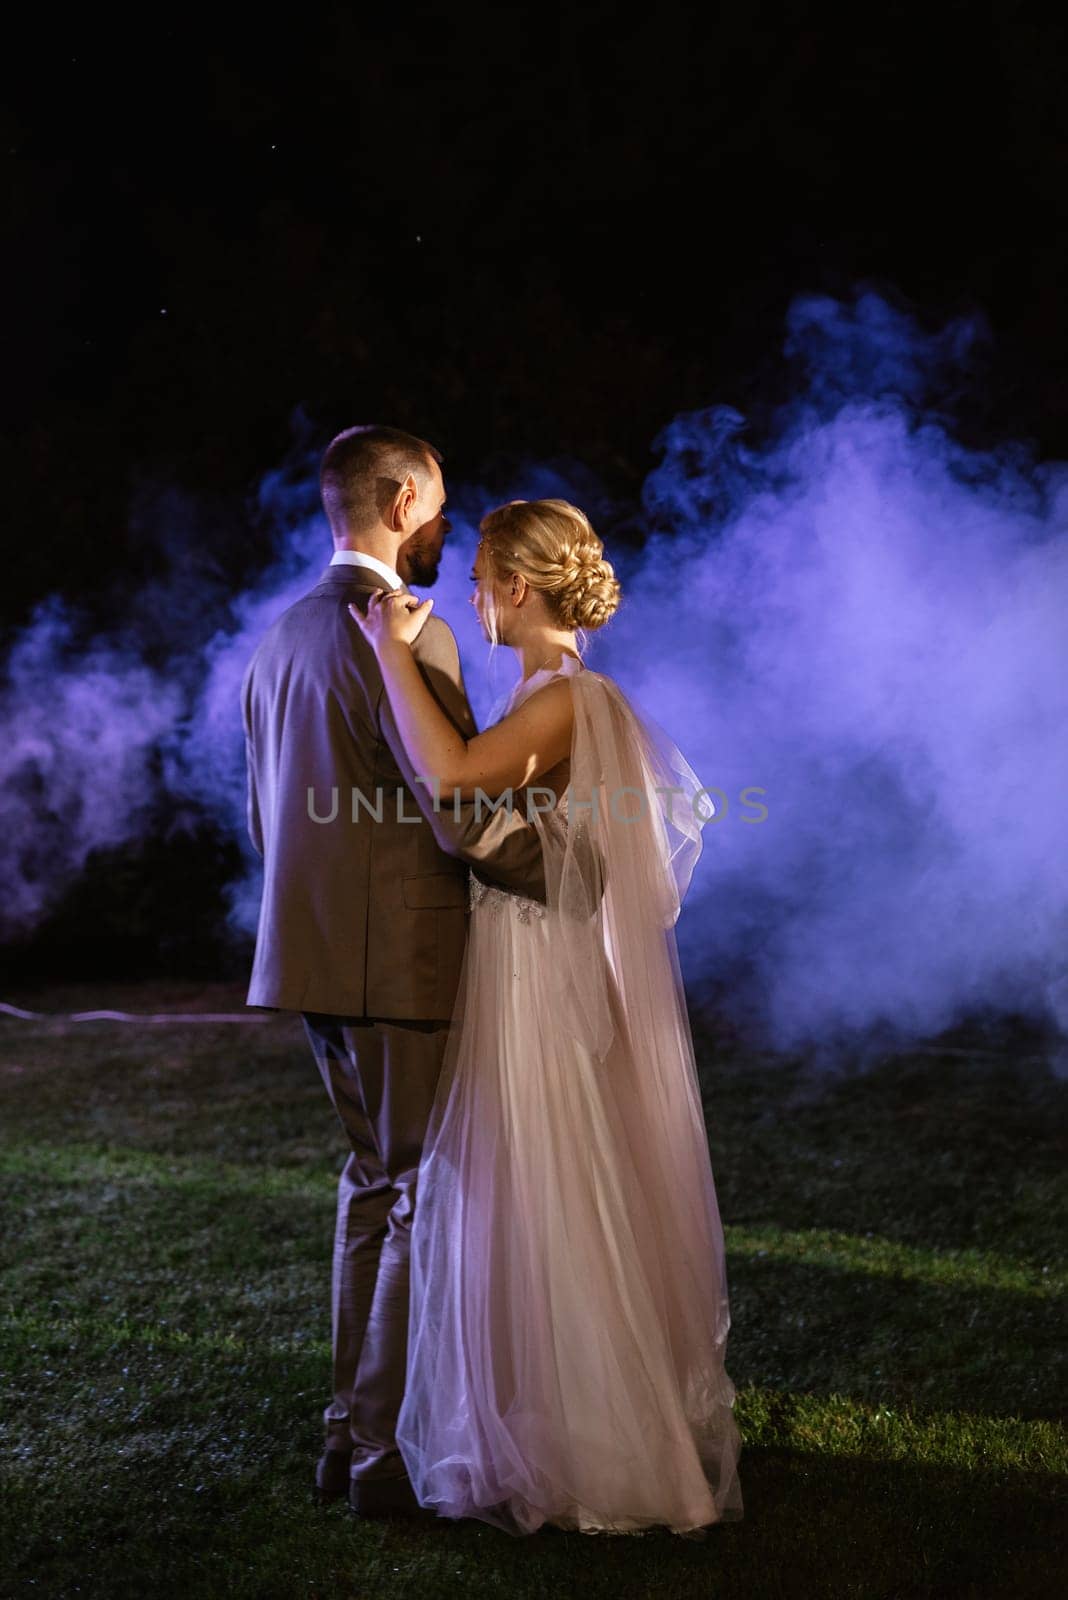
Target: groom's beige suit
[(362, 930)]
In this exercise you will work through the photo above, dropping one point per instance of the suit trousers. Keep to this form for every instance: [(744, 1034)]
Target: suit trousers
[(381, 1077)]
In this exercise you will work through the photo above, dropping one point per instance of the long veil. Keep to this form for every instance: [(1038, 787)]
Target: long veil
[(568, 1284)]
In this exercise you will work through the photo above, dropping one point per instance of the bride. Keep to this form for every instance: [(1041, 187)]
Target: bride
[(568, 1296)]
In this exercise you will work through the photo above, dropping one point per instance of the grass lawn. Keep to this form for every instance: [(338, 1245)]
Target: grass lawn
[(896, 1295)]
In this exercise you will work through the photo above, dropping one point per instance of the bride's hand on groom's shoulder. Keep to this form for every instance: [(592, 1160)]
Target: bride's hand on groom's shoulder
[(392, 617)]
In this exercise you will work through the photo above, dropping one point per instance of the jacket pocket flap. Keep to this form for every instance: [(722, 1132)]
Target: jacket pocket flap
[(435, 889)]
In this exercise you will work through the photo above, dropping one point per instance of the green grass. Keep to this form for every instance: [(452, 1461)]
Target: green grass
[(896, 1292)]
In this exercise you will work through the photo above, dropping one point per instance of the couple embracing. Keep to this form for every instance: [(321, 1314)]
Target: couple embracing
[(529, 1306)]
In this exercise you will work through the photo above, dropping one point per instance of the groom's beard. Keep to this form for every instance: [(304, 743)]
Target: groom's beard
[(422, 568)]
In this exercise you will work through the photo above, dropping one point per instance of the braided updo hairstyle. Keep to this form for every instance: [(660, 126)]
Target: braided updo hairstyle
[(552, 545)]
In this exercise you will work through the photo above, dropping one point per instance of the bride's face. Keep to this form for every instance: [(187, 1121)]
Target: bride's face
[(485, 600)]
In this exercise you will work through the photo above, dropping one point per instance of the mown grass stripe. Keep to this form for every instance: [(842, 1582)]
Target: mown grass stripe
[(74, 1163), (837, 1425), (833, 1425), (888, 1258), (71, 1165)]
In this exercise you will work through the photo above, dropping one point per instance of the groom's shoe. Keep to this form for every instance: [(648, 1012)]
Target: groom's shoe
[(386, 1497), (332, 1475)]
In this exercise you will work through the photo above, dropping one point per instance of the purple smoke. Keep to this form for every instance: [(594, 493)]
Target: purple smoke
[(76, 759), (855, 622)]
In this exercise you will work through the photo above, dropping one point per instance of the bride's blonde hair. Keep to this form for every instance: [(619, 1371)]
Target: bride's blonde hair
[(552, 545)]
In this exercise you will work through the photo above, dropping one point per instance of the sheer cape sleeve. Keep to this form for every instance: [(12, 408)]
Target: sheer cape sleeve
[(618, 863)]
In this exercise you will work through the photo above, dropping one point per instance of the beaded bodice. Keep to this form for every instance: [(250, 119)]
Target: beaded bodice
[(498, 900)]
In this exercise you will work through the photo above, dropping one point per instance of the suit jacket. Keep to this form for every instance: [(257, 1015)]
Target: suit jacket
[(361, 918)]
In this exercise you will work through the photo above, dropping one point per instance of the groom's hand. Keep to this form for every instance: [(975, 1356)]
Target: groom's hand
[(392, 617)]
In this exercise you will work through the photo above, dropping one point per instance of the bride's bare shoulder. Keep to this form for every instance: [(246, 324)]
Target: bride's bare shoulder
[(531, 738)]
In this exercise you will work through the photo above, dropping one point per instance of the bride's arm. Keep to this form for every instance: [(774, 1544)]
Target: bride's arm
[(512, 753)]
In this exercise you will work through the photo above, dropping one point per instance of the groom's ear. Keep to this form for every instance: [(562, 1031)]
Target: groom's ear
[(404, 499)]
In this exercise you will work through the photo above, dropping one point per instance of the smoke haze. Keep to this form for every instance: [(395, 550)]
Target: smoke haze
[(854, 621)]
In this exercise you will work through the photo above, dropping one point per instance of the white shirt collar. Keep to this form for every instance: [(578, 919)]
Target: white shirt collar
[(356, 558)]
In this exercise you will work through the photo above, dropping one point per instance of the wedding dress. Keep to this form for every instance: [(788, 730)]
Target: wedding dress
[(568, 1296)]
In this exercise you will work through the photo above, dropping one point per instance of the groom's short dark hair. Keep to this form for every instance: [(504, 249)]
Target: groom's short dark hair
[(363, 468)]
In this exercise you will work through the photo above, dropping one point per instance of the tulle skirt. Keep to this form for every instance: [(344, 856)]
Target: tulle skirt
[(568, 1310)]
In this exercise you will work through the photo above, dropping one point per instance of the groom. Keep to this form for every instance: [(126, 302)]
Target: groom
[(363, 922)]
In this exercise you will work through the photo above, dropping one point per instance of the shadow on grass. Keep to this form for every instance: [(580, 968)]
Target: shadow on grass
[(813, 1526)]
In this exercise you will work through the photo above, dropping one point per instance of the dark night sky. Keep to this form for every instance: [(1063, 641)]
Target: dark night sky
[(523, 231)]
